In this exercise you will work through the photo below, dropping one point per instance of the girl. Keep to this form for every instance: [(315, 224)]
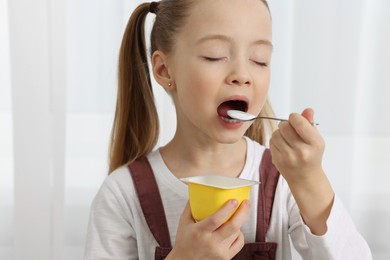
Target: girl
[(212, 56)]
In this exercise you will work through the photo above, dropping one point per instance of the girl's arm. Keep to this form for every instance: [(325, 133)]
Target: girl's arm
[(297, 149), (341, 241)]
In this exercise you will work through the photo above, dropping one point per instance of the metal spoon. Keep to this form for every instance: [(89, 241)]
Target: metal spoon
[(244, 116)]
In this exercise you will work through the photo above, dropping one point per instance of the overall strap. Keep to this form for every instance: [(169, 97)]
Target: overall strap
[(149, 196), (269, 177)]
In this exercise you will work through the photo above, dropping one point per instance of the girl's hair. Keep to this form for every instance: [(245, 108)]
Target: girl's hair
[(136, 126)]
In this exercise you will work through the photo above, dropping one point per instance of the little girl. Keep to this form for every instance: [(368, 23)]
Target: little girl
[(212, 56)]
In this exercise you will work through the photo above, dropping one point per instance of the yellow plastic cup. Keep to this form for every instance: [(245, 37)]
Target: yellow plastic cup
[(208, 193)]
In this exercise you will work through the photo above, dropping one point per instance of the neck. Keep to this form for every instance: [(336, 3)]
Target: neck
[(189, 157)]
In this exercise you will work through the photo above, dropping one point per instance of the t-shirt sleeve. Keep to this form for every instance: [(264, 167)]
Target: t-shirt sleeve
[(341, 241), (110, 234)]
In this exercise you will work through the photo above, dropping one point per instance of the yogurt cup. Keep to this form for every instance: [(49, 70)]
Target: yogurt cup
[(209, 192)]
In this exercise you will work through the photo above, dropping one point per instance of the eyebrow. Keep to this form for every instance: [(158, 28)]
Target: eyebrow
[(230, 39)]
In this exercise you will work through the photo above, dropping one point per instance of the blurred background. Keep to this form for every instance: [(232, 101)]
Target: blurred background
[(58, 64)]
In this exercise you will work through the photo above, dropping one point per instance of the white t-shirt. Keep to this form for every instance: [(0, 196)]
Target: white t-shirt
[(117, 228)]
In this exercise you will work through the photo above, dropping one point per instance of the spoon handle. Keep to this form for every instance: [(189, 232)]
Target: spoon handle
[(275, 118), (270, 118)]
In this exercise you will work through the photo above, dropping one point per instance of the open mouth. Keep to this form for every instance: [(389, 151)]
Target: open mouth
[(231, 105)]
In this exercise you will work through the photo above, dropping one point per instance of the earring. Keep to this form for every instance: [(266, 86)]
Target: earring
[(169, 84)]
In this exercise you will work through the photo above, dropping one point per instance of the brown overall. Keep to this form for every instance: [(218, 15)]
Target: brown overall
[(152, 207)]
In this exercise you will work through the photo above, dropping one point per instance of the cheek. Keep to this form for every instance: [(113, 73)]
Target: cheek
[(190, 94), (196, 85), (261, 91)]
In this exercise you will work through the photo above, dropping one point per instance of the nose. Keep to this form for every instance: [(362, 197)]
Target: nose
[(239, 75)]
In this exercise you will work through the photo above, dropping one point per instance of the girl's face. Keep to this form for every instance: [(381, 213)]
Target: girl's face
[(221, 61)]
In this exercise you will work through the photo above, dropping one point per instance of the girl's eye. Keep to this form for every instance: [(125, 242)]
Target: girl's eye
[(213, 59), (262, 64)]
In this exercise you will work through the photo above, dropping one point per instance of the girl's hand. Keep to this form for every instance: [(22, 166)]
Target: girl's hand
[(211, 238), (297, 147)]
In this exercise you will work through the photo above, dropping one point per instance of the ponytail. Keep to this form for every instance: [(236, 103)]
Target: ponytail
[(136, 127), (260, 128)]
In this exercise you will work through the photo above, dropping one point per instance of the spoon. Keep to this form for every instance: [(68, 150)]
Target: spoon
[(244, 116)]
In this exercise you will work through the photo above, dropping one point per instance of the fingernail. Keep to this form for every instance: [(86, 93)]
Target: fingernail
[(234, 202)]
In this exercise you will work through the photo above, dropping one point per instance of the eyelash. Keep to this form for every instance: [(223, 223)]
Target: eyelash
[(212, 59), (262, 64)]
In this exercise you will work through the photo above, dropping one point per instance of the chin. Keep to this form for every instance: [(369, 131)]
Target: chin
[(229, 139)]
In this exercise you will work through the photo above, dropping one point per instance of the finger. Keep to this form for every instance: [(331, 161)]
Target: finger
[(186, 217), (237, 245), (233, 225), (214, 221), (276, 151), (279, 142), (308, 113), (273, 143), (304, 128), (290, 136)]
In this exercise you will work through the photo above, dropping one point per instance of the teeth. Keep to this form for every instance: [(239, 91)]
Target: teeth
[(229, 120)]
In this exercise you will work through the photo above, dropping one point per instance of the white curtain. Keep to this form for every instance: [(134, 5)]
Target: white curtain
[(58, 64)]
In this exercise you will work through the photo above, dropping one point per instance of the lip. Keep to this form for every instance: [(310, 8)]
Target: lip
[(230, 124), (236, 97)]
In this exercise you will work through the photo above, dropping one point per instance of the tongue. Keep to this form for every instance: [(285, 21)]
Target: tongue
[(224, 107)]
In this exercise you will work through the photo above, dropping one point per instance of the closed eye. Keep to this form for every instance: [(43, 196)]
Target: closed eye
[(213, 59), (262, 64)]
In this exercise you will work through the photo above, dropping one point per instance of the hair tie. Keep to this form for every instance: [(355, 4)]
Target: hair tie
[(153, 7)]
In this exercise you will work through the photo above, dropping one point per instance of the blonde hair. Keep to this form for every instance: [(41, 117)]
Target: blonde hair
[(135, 128)]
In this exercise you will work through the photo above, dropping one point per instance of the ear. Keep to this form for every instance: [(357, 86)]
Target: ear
[(161, 70)]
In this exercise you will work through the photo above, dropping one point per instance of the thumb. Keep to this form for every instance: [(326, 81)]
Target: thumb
[(186, 217), (308, 113)]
